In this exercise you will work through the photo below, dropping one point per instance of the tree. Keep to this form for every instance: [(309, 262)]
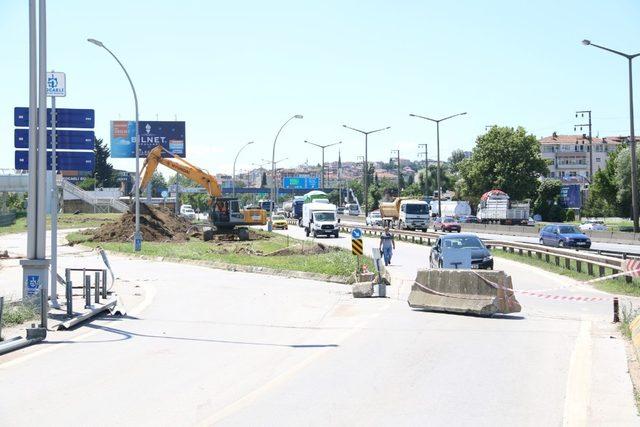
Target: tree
[(547, 202), (158, 184), (431, 177), (88, 183), (456, 157), (604, 191), (506, 159), (263, 181), (410, 179), (621, 161), (103, 170)]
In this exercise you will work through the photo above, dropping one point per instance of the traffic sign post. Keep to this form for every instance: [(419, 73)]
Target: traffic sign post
[(357, 247), (56, 86)]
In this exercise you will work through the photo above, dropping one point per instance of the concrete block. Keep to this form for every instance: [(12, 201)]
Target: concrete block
[(366, 277), (482, 292), (362, 289)]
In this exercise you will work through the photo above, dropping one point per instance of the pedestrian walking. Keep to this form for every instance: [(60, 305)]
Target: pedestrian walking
[(387, 245)]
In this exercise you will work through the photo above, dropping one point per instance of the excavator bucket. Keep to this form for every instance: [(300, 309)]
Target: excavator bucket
[(482, 293)]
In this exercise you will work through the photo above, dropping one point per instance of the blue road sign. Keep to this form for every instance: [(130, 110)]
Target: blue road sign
[(356, 233), (301, 182), (65, 117), (65, 139), (33, 285), (65, 160)]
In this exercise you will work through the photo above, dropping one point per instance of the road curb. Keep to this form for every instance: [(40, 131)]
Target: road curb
[(252, 269), (634, 326)]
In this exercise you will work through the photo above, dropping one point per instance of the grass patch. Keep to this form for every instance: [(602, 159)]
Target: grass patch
[(65, 221), (337, 262), (19, 312), (617, 286), (627, 313)]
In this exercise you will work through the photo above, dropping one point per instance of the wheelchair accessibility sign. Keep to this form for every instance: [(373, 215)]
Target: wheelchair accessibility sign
[(33, 285)]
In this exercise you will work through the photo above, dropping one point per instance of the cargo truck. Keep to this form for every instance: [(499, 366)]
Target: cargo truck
[(320, 219), (454, 208), (405, 213), (496, 207)]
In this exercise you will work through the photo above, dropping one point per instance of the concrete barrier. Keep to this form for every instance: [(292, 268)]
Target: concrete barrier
[(362, 289), (635, 334), (463, 291)]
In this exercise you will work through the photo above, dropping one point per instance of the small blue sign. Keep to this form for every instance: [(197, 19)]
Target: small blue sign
[(65, 160), (65, 117), (65, 139), (356, 233), (33, 285)]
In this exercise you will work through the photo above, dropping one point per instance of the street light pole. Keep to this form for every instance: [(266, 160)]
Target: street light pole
[(634, 166), (273, 164), (426, 168), (137, 237), (397, 152), (322, 147), (437, 122), (233, 181), (366, 163)]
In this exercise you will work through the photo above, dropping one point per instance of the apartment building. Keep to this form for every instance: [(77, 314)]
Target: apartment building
[(569, 155)]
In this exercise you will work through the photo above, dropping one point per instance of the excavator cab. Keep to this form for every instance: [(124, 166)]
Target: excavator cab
[(225, 213)]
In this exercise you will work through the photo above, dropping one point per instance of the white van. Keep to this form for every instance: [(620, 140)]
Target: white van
[(186, 211), (320, 219)]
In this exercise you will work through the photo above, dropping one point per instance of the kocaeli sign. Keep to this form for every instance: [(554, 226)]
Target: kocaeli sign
[(171, 135)]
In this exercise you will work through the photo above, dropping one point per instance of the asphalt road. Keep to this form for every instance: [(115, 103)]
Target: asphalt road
[(603, 246), (214, 347)]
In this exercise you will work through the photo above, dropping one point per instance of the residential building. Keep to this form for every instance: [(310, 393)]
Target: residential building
[(569, 155)]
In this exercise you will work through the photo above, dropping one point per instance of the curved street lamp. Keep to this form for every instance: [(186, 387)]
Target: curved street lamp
[(137, 237), (273, 166), (233, 180), (634, 166)]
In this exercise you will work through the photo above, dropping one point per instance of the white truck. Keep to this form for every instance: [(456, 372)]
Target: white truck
[(496, 207), (320, 219), (405, 213), (455, 208)]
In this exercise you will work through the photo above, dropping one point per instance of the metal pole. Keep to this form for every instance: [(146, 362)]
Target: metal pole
[(33, 135), (233, 181), (634, 165), (590, 150), (44, 308), (104, 284), (1, 306), (96, 287), (87, 291), (54, 210), (273, 167), (69, 296), (42, 133), (399, 189), (366, 175), (426, 171), (438, 169), (322, 185)]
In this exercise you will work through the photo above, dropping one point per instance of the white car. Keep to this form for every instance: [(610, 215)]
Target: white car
[(374, 219), (186, 211), (593, 226)]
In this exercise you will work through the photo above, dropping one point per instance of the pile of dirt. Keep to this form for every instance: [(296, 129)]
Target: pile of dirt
[(157, 224), (241, 249), (306, 249)]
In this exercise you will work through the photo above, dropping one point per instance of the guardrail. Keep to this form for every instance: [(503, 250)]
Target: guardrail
[(7, 219), (584, 261)]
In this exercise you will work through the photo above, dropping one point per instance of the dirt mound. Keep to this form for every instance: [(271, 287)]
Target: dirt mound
[(307, 249), (157, 224)]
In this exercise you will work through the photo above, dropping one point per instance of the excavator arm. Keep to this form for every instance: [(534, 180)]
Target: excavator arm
[(180, 165)]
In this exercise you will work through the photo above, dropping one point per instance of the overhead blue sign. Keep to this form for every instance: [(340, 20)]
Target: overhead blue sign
[(171, 135), (65, 139), (65, 118), (301, 183), (356, 233), (65, 160)]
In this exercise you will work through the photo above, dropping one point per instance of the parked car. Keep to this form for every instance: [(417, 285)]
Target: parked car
[(374, 219), (592, 226), (186, 211), (279, 222), (531, 222), (446, 224), (563, 236), (480, 256), (341, 210)]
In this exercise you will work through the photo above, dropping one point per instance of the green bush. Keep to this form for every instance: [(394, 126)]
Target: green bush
[(570, 215)]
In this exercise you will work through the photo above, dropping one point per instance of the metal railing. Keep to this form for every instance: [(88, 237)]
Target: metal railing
[(99, 203), (99, 286)]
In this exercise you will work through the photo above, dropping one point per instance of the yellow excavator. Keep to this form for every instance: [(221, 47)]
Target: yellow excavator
[(225, 214)]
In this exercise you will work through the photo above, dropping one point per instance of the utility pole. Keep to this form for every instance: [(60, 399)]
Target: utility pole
[(397, 153), (580, 126), (426, 168), (322, 147)]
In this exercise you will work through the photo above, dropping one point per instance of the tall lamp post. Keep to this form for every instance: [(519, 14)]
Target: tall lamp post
[(366, 162), (273, 164), (137, 237), (233, 181), (437, 122), (322, 147), (634, 166), (273, 181), (426, 166)]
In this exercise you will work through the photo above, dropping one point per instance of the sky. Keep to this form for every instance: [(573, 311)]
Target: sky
[(236, 71)]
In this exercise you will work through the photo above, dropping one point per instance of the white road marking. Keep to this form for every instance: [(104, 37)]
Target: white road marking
[(576, 403)]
